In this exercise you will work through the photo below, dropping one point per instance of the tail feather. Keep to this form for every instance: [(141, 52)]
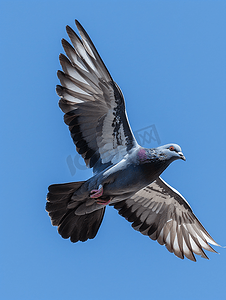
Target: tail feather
[(88, 226), (70, 225), (67, 224), (63, 188)]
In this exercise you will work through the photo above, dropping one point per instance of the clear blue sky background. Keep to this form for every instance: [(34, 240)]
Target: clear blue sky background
[(169, 59)]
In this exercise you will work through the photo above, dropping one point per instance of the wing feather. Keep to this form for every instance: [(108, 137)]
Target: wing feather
[(160, 212), (93, 104)]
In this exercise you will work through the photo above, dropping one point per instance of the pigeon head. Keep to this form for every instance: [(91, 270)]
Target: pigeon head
[(170, 152), (163, 154)]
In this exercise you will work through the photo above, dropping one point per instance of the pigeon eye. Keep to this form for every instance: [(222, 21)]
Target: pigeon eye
[(171, 148)]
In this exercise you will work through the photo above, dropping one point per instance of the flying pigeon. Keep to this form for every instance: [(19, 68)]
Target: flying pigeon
[(125, 175)]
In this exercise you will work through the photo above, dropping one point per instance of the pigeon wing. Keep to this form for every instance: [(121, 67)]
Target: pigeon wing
[(93, 104), (160, 212)]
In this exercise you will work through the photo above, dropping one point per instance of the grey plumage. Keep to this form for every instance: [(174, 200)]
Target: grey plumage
[(126, 175)]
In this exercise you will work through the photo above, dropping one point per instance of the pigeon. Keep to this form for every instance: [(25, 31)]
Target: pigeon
[(125, 175)]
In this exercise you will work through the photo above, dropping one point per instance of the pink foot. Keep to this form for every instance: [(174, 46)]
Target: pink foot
[(104, 201), (97, 193)]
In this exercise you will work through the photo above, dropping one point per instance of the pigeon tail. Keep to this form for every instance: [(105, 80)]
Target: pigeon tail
[(69, 215)]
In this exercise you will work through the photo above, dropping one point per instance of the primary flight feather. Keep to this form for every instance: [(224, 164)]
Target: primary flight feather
[(126, 175)]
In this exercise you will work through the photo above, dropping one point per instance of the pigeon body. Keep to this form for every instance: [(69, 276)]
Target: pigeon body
[(126, 175), (122, 180), (137, 170)]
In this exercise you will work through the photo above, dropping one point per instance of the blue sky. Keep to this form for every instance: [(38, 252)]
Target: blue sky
[(168, 57)]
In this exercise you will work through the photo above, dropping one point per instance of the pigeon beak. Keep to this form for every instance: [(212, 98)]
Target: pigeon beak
[(181, 155)]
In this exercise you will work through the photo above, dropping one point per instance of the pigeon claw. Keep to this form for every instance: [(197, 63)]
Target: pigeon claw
[(104, 201), (97, 193)]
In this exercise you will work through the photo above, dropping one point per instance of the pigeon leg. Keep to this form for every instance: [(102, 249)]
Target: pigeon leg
[(97, 193)]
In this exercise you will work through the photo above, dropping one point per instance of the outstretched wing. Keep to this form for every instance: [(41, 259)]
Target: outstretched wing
[(160, 212), (93, 104)]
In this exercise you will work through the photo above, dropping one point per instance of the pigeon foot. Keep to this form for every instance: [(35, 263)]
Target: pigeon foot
[(104, 201), (97, 193)]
